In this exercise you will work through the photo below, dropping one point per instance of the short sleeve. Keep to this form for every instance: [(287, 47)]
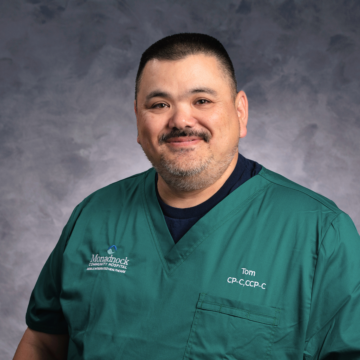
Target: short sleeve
[(44, 311), (334, 325)]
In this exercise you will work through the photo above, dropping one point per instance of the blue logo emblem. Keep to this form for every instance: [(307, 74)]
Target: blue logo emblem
[(112, 249)]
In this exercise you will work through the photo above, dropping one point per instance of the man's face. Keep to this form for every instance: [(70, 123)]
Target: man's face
[(188, 121)]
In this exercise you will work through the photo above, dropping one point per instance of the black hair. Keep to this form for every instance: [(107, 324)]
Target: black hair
[(178, 46)]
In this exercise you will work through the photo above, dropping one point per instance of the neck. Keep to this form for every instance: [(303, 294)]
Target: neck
[(185, 199)]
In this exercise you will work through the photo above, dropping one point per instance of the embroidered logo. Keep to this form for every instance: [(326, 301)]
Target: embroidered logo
[(110, 263), (112, 249)]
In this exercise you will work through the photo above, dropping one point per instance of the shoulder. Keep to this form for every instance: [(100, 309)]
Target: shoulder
[(119, 192), (306, 209), (296, 195)]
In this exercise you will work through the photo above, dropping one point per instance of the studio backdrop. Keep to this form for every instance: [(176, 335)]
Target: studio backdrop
[(67, 125)]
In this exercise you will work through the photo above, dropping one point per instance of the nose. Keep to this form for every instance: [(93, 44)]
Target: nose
[(181, 118)]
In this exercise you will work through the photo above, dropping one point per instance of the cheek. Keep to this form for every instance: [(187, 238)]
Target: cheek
[(149, 129), (223, 126)]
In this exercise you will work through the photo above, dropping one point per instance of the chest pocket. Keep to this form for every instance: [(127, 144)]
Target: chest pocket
[(226, 329)]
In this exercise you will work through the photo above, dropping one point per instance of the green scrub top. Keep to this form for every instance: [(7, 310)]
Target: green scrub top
[(271, 272)]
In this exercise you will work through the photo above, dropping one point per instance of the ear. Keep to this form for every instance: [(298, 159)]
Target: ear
[(242, 109), (135, 110)]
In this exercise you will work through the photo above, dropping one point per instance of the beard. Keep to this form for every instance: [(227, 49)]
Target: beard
[(187, 170)]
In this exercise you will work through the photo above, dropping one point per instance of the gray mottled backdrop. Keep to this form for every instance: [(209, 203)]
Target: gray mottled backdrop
[(67, 126)]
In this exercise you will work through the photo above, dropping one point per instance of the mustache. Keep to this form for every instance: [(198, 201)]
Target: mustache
[(175, 133)]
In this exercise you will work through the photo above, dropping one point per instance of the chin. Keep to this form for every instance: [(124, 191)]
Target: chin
[(185, 163), (192, 175)]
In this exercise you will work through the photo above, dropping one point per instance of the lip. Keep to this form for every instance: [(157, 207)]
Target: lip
[(184, 141)]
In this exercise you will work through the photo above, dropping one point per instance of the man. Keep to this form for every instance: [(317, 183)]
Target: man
[(207, 255)]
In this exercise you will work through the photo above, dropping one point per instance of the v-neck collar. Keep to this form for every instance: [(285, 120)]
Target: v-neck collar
[(172, 255)]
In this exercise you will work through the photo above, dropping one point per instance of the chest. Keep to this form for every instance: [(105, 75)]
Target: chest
[(233, 294)]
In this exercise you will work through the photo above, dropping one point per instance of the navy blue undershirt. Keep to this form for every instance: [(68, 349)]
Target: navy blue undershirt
[(179, 221)]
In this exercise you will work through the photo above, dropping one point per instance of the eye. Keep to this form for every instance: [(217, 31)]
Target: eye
[(203, 101), (159, 106)]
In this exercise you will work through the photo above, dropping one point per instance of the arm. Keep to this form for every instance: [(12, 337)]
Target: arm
[(46, 337), (36, 345), (334, 327), (47, 334)]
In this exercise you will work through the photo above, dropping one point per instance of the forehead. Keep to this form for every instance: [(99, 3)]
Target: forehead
[(177, 75)]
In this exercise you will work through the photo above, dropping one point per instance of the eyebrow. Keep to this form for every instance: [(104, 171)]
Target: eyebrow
[(164, 94)]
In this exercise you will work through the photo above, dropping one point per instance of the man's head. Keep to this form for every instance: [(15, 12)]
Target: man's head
[(178, 46), (189, 115)]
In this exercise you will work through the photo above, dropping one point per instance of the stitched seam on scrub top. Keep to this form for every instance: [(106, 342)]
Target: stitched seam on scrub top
[(312, 284), (193, 329), (330, 207), (236, 308), (271, 340)]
